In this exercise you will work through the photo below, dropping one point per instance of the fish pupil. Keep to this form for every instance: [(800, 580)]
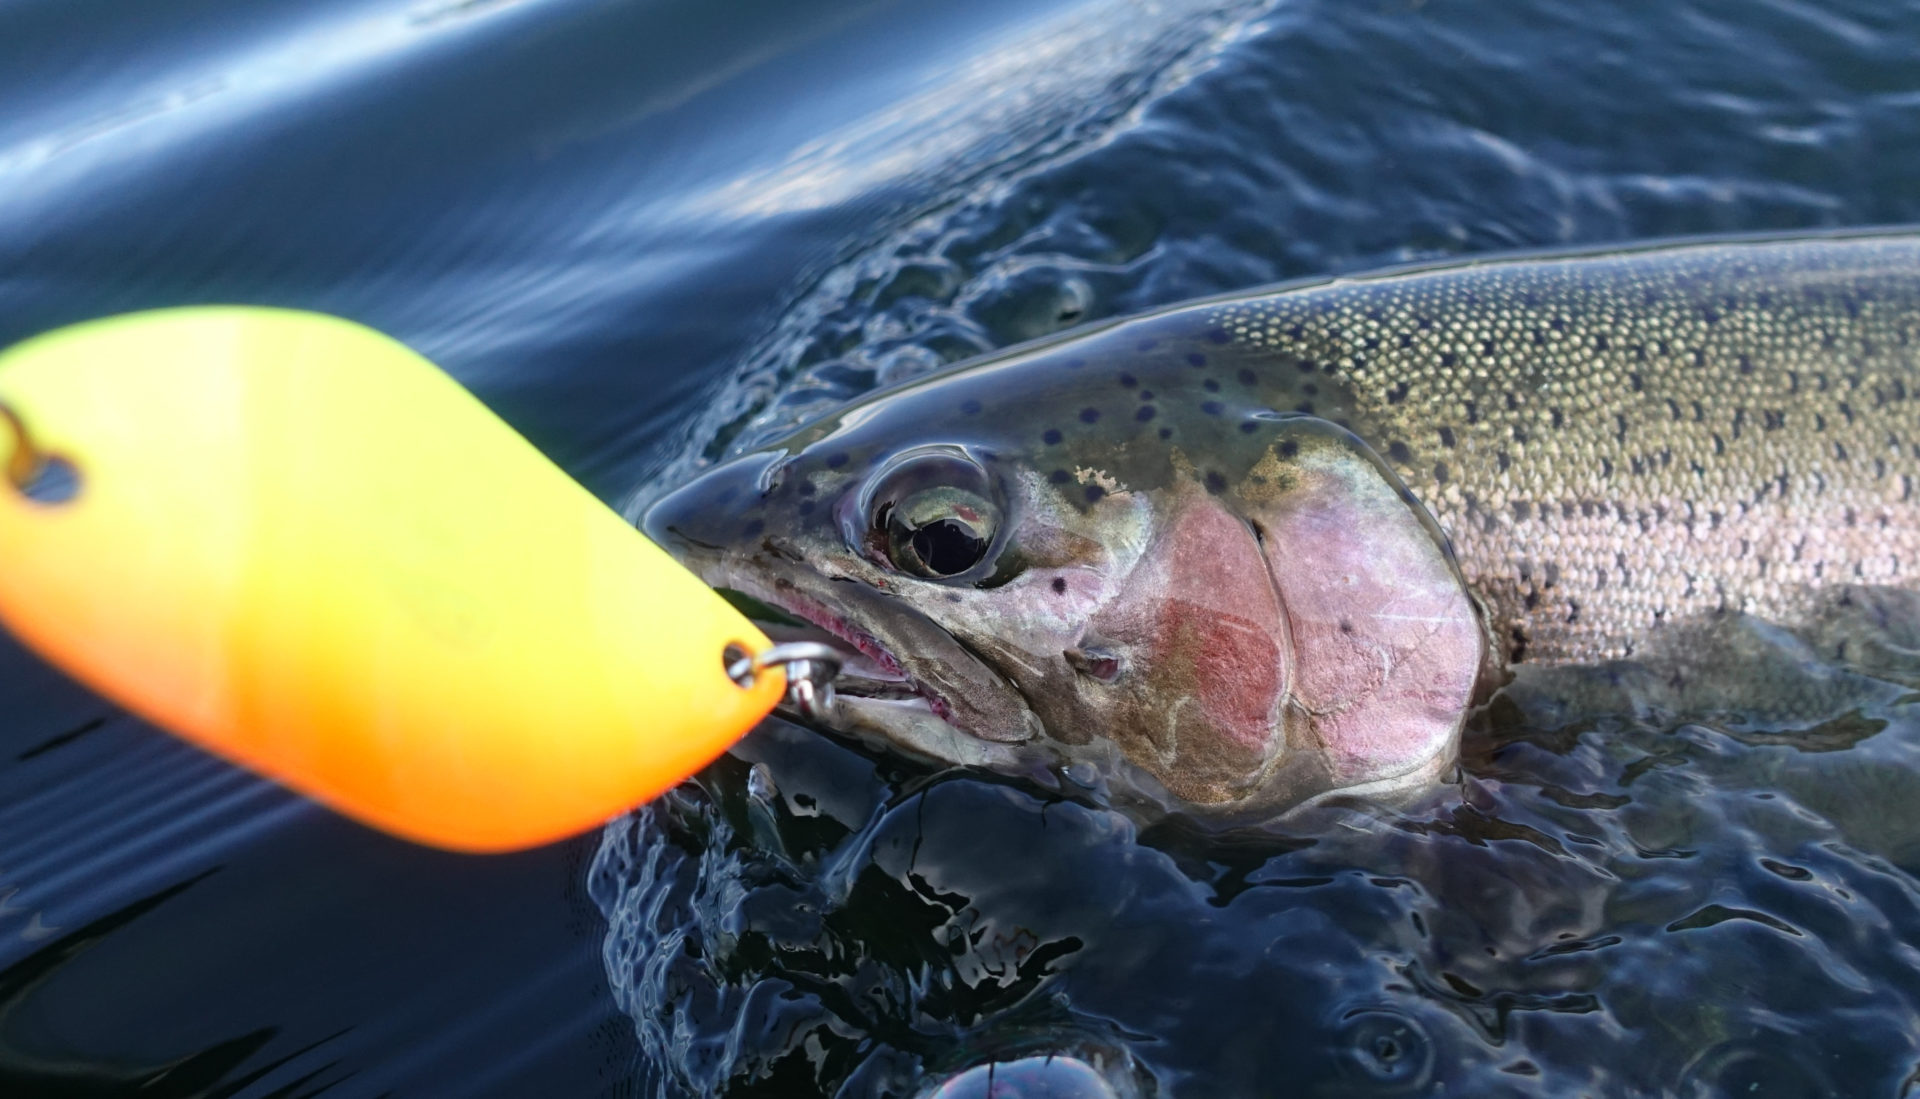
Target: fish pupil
[(948, 546)]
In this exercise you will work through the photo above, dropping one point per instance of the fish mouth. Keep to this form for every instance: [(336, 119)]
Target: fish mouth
[(868, 669), (903, 680)]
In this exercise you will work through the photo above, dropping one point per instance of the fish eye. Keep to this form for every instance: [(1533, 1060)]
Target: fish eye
[(932, 516)]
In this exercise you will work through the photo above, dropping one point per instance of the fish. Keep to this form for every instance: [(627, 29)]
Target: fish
[(1247, 552)]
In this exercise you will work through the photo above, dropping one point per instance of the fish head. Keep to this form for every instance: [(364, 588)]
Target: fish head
[(1205, 618)]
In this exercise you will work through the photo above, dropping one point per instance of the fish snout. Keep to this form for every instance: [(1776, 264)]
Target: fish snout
[(721, 509)]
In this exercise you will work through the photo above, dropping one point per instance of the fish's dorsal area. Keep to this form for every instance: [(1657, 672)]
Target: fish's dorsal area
[(1617, 444)]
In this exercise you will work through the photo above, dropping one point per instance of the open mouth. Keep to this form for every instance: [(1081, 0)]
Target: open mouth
[(868, 671)]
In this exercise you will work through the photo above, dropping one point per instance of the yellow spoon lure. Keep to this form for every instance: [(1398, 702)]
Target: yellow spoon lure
[(296, 542)]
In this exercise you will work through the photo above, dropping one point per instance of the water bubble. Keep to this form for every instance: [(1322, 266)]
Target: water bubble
[(1044, 1077), (1383, 1047)]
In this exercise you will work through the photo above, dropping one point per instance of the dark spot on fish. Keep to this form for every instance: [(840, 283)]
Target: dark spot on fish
[(1051, 436), (1128, 381), (1059, 476), (1059, 585), (1398, 451), (970, 408), (1503, 460), (1144, 413), (1166, 433), (1710, 315), (1606, 466), (1248, 427), (1473, 412), (1094, 493), (1196, 359), (1558, 418), (1440, 474), (1288, 448), (1636, 382), (1306, 366), (1600, 343), (1089, 415), (836, 459), (1304, 408), (1295, 332), (1246, 377), (1519, 433), (1448, 358), (1216, 484), (1212, 408), (1398, 393), (1522, 510)]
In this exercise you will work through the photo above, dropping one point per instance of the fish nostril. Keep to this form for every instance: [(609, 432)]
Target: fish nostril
[(1094, 661)]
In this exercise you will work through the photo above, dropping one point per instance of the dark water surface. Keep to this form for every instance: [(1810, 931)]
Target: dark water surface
[(646, 232)]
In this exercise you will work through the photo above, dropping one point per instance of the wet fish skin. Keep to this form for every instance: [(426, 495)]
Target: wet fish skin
[(1216, 518), (1619, 443)]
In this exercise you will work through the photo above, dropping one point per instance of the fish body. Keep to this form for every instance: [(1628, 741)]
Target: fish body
[(1239, 553)]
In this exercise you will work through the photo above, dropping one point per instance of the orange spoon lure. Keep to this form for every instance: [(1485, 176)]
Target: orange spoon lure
[(295, 542)]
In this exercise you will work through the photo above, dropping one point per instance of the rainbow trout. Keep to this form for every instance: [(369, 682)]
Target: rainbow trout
[(1241, 553)]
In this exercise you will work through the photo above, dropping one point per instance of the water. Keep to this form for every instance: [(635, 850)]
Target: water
[(648, 232)]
